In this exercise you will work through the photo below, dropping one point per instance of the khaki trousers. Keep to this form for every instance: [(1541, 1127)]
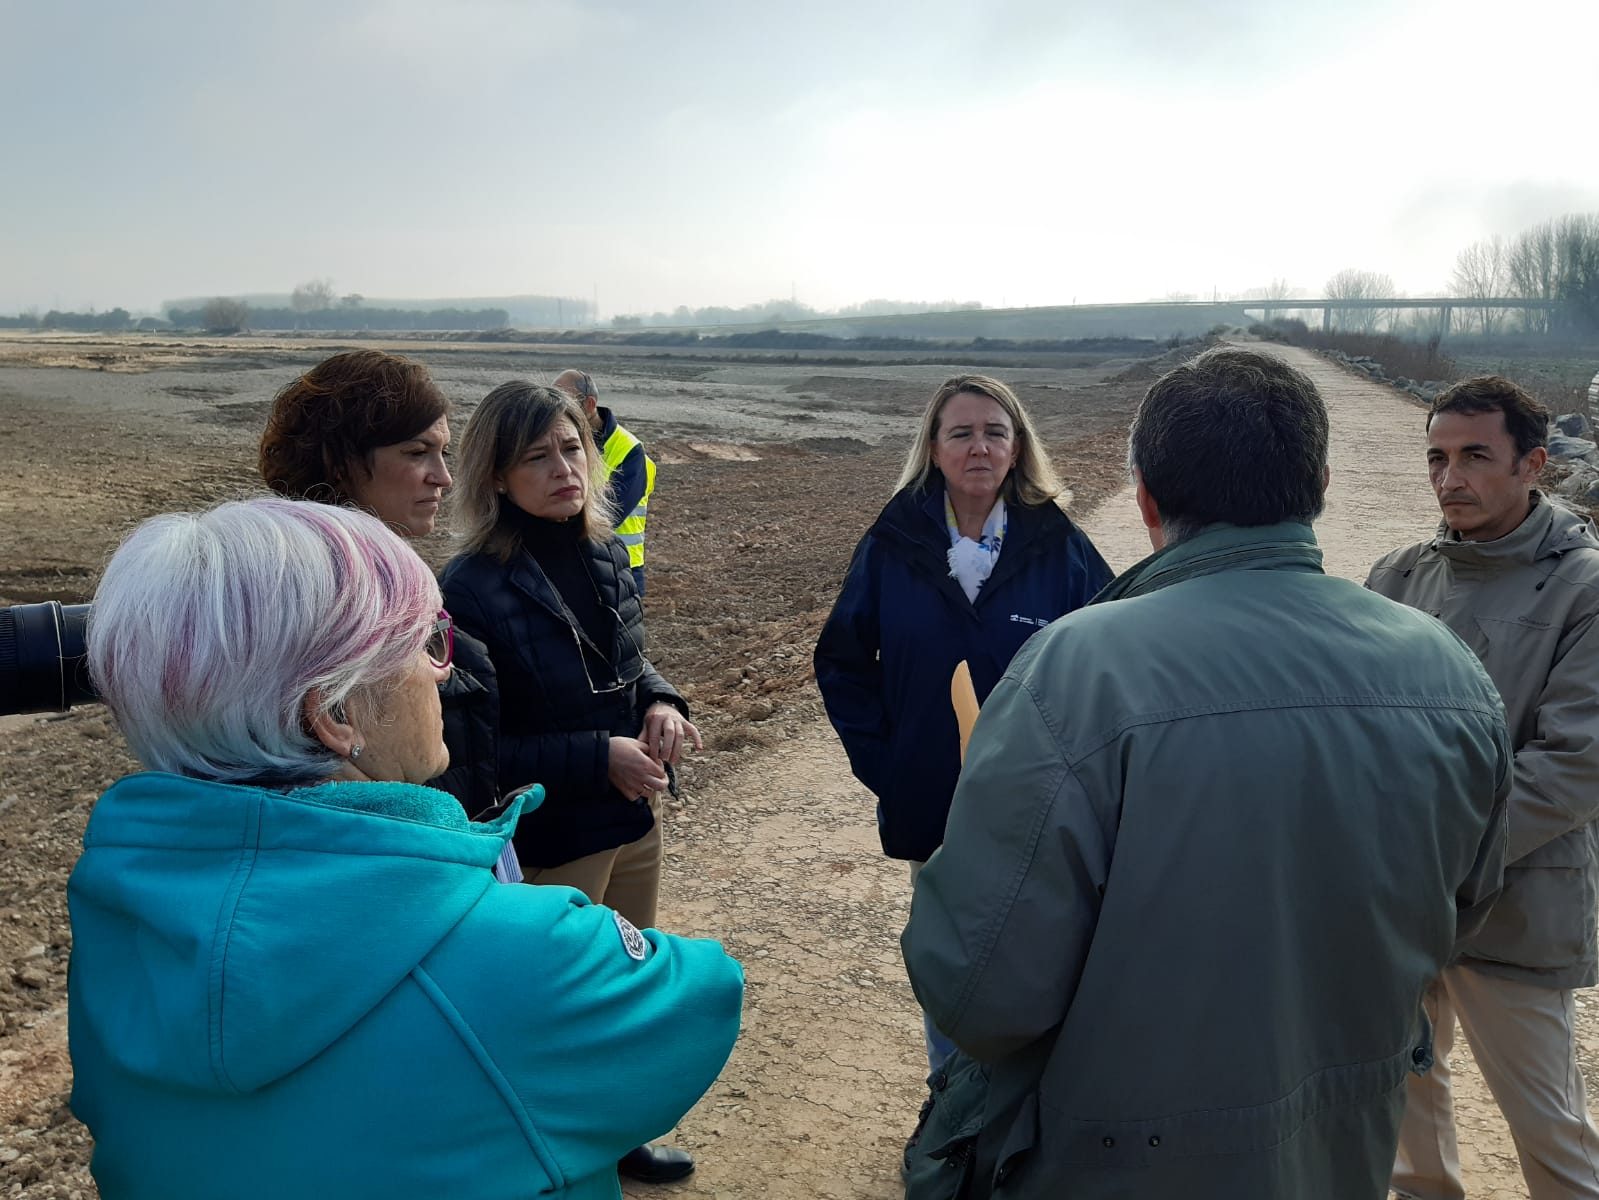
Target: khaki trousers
[(627, 879), (1524, 1040)]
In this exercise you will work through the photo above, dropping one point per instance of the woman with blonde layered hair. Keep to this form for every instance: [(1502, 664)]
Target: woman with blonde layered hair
[(1031, 479), (547, 587), (510, 419), (972, 555)]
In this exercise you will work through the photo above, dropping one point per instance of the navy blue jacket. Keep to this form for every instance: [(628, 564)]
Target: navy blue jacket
[(900, 626)]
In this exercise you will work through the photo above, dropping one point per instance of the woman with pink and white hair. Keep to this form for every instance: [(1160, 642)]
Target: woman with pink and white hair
[(292, 970)]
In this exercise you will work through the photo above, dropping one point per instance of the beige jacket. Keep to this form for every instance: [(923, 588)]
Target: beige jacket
[(1526, 604)]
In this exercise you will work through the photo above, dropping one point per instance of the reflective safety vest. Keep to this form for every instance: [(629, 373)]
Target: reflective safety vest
[(631, 528)]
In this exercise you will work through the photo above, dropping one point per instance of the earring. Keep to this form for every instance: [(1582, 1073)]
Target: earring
[(355, 753), (500, 490)]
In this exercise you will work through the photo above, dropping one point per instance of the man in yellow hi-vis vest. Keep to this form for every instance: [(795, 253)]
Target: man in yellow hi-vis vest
[(630, 472)]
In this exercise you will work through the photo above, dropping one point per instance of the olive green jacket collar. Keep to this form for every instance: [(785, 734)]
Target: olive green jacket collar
[(1290, 545)]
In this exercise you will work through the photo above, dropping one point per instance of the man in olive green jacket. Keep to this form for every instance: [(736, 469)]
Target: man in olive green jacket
[(1517, 577), (1214, 835)]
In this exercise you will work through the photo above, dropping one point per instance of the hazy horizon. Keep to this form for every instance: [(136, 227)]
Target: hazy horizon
[(1019, 152)]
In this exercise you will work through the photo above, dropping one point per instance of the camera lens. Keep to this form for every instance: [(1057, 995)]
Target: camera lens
[(42, 657)]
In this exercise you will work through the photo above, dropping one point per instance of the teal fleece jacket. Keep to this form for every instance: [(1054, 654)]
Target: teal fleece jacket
[(324, 992)]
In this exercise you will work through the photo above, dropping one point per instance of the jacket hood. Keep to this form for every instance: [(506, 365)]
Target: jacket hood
[(1550, 530), (225, 935), (915, 517)]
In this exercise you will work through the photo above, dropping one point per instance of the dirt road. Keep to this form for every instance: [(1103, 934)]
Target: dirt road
[(827, 1075)]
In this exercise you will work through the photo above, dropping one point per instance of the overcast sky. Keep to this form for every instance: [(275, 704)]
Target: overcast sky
[(709, 152)]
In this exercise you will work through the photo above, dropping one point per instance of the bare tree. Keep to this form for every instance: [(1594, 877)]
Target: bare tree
[(1558, 262), (1532, 269), (1276, 291), (1481, 273), (223, 315), (1577, 282), (315, 296), (1353, 284)]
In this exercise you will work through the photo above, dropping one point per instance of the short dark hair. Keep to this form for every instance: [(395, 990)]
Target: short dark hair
[(1526, 419), (337, 413), (1231, 437)]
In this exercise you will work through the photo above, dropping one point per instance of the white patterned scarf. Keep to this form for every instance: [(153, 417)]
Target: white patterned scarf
[(972, 562)]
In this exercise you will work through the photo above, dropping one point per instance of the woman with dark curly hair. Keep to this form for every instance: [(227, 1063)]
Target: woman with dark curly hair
[(364, 428), (372, 430)]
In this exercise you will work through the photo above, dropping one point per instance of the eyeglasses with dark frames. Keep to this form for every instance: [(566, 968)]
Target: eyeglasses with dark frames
[(638, 655)]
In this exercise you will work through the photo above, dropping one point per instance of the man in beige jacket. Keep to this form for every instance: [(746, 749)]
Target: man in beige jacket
[(1517, 578)]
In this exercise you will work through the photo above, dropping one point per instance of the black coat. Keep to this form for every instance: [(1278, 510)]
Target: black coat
[(470, 698), (555, 727)]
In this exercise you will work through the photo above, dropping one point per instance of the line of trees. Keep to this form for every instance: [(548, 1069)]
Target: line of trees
[(224, 315), (116, 320), (1555, 260)]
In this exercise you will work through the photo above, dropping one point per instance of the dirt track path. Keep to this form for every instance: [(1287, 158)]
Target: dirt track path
[(824, 1084)]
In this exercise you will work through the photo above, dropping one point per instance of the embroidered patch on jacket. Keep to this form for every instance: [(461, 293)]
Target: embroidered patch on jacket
[(1021, 620), (632, 940)]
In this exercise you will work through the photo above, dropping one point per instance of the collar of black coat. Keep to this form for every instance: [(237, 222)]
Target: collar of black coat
[(538, 535), (1549, 530), (913, 522), (1289, 546), (542, 543)]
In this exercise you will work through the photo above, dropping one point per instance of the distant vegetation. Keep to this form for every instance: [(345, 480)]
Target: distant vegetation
[(1557, 373), (1555, 261), (780, 339), (117, 320), (343, 319), (785, 311), (227, 315), (223, 315)]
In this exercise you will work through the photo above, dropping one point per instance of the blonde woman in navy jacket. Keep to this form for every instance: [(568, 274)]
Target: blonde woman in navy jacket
[(971, 556)]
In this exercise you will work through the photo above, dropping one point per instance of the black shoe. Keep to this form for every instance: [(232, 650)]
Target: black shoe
[(656, 1164), (916, 1135)]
